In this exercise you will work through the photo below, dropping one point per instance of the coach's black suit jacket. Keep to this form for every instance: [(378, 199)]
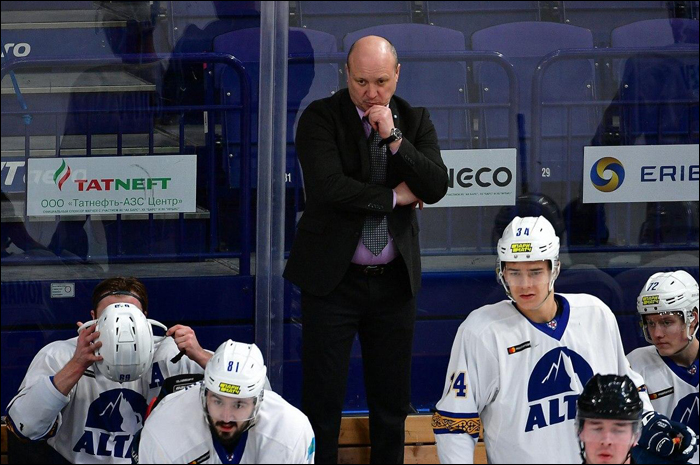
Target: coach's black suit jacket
[(334, 155)]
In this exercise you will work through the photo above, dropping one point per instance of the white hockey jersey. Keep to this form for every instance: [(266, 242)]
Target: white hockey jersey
[(177, 432), (673, 390), (97, 421), (522, 380)]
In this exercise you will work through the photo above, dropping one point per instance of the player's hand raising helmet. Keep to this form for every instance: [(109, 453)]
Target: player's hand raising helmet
[(669, 292), (528, 239), (236, 370), (127, 340)]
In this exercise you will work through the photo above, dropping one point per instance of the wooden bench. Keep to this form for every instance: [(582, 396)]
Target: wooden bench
[(419, 448), (354, 441), (4, 442)]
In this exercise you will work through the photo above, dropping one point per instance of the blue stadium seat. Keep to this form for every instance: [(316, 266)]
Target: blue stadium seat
[(566, 125), (429, 84), (646, 78), (306, 82), (470, 17), (656, 33), (604, 16), (211, 19), (340, 18)]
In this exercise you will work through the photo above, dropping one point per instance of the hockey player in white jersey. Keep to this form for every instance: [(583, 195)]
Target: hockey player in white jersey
[(668, 307), (228, 418), (72, 396), (519, 365)]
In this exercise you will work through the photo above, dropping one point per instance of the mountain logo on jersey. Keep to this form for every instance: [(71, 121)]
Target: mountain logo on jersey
[(112, 420), (686, 411), (555, 384)]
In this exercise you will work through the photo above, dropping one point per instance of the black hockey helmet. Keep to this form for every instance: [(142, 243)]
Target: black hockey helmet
[(610, 397)]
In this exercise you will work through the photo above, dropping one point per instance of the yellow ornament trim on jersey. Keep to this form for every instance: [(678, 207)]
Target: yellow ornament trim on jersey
[(465, 425)]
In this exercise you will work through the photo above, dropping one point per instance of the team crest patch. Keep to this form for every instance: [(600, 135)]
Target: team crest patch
[(552, 325), (692, 370), (519, 347), (229, 388), (521, 247), (650, 299)]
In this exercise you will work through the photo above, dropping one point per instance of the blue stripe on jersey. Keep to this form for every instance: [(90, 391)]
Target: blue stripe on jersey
[(562, 320), (456, 423), (682, 373), (18, 431), (237, 454)]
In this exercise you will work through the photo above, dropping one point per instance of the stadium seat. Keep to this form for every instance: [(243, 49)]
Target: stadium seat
[(567, 124), (655, 78), (306, 82), (658, 97), (469, 17), (340, 18), (604, 16)]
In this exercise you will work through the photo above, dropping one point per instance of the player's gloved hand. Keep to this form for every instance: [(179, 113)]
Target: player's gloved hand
[(666, 438)]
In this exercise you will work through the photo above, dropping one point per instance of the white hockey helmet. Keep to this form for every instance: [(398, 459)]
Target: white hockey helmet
[(669, 292), (236, 370), (127, 342), (528, 239)]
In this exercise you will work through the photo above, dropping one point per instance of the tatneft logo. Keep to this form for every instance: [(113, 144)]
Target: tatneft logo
[(63, 173), (617, 176)]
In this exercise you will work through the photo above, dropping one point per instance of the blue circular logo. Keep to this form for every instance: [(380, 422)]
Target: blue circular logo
[(614, 179)]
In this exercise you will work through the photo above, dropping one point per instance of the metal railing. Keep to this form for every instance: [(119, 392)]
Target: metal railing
[(245, 192)]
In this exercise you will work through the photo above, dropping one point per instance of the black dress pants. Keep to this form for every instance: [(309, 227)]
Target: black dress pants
[(381, 309)]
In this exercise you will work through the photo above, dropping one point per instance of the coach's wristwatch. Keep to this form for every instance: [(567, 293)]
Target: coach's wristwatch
[(394, 135)]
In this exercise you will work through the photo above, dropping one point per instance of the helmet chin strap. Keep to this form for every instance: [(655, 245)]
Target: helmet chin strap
[(690, 341), (545, 300), (689, 336)]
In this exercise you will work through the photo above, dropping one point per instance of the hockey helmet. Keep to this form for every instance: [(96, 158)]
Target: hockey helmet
[(236, 370), (528, 239), (128, 344), (669, 292)]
